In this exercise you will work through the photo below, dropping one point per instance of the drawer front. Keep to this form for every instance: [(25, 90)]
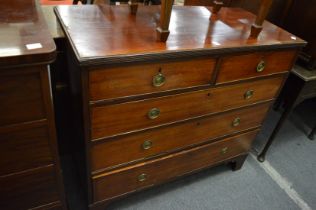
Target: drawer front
[(120, 118), (153, 142), (28, 190), (149, 78), (150, 173), (255, 65), (21, 98), (24, 148)]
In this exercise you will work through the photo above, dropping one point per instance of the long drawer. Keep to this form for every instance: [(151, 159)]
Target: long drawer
[(24, 147), (29, 189), (115, 119), (256, 64), (21, 97), (161, 140), (119, 182), (115, 82)]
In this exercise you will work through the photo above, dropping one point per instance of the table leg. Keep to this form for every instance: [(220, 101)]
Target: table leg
[(311, 136), (262, 155), (290, 105), (290, 98)]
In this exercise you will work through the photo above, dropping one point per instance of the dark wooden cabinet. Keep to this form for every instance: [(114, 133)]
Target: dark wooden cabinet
[(300, 19), (149, 112), (30, 174)]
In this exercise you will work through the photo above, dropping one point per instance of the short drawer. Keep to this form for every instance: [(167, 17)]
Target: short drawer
[(24, 147), (119, 182), (116, 82), (29, 189), (256, 64), (115, 119), (161, 140), (21, 98)]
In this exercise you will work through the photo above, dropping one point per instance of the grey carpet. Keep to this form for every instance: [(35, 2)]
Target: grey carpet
[(292, 154)]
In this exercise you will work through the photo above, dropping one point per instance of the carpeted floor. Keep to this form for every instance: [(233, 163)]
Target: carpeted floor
[(285, 182)]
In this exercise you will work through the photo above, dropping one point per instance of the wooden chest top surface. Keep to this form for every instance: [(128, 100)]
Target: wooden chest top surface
[(110, 34), (24, 36)]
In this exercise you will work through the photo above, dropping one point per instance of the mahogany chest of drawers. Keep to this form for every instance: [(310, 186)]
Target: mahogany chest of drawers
[(148, 112), (30, 176)]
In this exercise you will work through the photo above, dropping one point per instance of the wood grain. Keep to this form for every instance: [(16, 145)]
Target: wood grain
[(30, 176), (193, 32), (29, 189), (21, 97), (24, 147), (129, 148), (132, 116), (116, 183), (132, 80), (244, 66), (22, 23)]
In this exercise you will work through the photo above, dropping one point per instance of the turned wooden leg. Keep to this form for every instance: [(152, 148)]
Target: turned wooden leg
[(262, 14), (311, 136), (288, 109), (238, 162), (133, 7), (217, 5), (165, 13)]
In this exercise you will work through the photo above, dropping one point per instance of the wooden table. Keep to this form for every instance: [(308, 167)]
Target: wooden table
[(300, 85)]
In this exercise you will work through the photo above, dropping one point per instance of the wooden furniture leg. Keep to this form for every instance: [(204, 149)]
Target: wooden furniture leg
[(262, 14), (285, 114), (311, 136), (262, 155), (77, 1), (239, 162), (217, 6), (133, 7), (165, 13)]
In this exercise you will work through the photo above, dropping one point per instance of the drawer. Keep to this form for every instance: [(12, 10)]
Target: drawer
[(28, 190), (152, 142), (132, 80), (122, 181), (255, 65), (137, 115), (21, 98), (24, 147)]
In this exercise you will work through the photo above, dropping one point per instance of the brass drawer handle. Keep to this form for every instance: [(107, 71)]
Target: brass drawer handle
[(261, 65), (248, 94), (224, 150), (159, 80), (142, 177), (147, 144), (153, 113), (236, 122)]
